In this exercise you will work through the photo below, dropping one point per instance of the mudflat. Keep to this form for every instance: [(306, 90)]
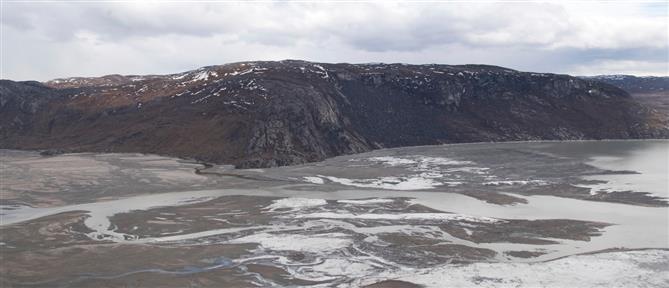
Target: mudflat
[(493, 214)]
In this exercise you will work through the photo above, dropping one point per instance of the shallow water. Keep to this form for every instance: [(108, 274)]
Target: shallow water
[(651, 160), (344, 232)]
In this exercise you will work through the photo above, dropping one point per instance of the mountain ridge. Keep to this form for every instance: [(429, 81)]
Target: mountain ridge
[(273, 113), (635, 84)]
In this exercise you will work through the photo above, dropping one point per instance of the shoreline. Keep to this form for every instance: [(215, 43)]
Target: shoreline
[(65, 152)]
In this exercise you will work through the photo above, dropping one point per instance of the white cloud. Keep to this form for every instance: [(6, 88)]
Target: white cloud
[(642, 68), (48, 40)]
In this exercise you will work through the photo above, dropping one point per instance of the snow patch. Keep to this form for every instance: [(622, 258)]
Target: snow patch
[(236, 73), (203, 76), (179, 76), (323, 73)]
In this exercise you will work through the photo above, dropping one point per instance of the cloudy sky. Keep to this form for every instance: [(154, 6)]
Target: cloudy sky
[(45, 40)]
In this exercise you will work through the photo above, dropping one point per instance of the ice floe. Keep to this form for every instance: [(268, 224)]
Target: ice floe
[(318, 243), (422, 162), (515, 182), (424, 173), (315, 180), (392, 161), (295, 203), (333, 268), (391, 183), (400, 216), (366, 201)]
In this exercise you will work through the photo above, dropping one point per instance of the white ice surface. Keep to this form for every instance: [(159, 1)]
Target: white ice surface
[(515, 182), (295, 203), (392, 161), (421, 161), (392, 183), (366, 201), (425, 173), (648, 268), (313, 179), (320, 243), (399, 216)]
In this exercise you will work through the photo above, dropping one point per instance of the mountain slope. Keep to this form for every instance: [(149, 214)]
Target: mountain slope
[(261, 114), (651, 91), (634, 84)]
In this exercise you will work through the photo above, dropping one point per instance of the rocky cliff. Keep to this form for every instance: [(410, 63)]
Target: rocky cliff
[(261, 114)]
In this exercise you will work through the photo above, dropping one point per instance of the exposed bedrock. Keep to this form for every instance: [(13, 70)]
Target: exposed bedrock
[(264, 114)]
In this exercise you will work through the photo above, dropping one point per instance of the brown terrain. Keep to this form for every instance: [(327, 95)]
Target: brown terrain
[(263, 114)]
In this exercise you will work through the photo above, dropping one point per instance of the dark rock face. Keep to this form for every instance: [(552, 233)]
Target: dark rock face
[(263, 114), (19, 104)]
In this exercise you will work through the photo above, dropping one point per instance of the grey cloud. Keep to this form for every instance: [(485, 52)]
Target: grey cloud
[(103, 38)]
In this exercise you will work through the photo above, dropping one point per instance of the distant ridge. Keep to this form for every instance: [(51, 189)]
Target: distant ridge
[(635, 84)]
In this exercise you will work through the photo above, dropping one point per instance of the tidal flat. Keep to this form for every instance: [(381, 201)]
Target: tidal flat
[(524, 214)]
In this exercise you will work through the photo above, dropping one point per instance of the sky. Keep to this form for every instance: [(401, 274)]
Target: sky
[(43, 40)]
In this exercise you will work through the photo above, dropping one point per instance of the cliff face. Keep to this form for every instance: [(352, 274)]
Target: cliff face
[(261, 114)]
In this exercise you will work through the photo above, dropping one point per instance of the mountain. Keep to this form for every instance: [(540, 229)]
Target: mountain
[(651, 91), (263, 114), (634, 84)]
